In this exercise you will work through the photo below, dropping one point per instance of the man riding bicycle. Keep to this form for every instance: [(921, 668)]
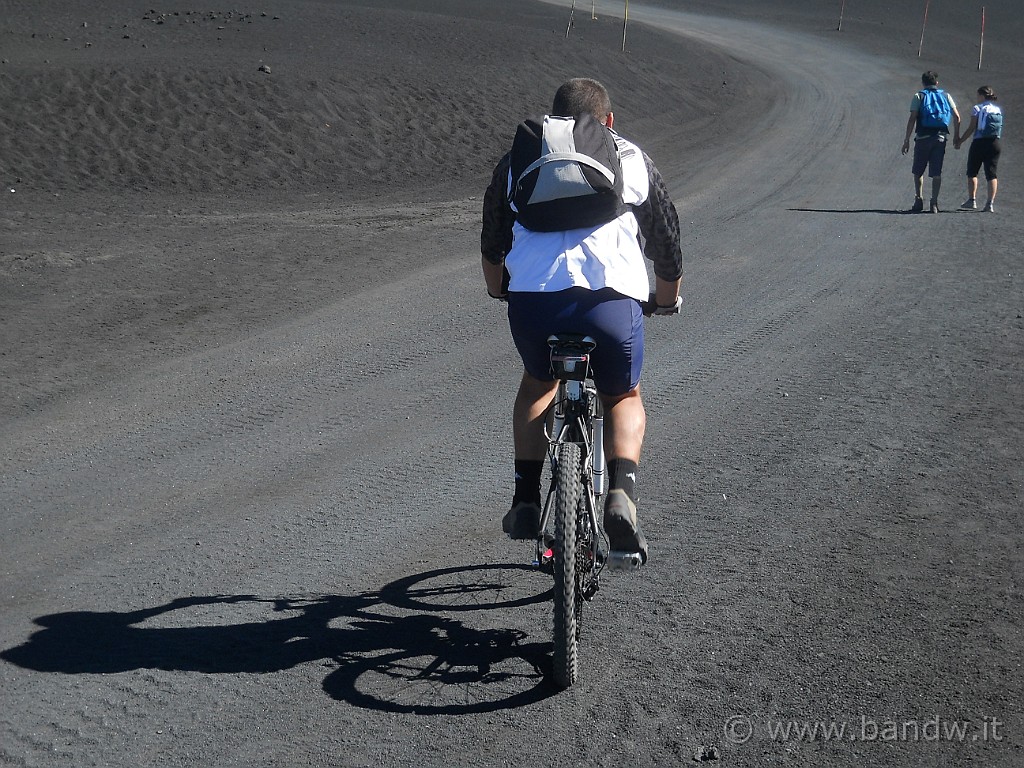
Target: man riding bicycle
[(589, 280)]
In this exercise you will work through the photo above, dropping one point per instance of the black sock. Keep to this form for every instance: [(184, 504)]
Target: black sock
[(622, 474), (528, 481)]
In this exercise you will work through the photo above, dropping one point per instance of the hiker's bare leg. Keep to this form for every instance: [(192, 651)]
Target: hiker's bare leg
[(972, 187)]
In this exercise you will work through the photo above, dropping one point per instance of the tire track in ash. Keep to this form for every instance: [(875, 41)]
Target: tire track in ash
[(331, 402), (336, 368), (767, 171), (677, 377), (730, 392), (798, 147), (813, 117)]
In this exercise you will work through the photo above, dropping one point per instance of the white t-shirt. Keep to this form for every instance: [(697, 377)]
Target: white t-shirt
[(608, 256)]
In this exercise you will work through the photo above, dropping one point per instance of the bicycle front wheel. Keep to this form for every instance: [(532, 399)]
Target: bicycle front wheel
[(568, 595)]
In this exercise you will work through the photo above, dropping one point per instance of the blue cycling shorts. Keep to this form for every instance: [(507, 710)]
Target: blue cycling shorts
[(616, 323)]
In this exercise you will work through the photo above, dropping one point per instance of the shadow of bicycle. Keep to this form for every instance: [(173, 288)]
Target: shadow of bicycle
[(396, 650)]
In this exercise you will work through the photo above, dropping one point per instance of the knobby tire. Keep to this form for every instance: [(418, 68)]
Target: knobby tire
[(568, 595)]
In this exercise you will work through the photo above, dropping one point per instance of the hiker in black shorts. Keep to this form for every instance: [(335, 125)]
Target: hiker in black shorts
[(986, 128), (932, 112)]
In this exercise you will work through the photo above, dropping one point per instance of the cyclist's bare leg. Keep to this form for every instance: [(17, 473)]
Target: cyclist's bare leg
[(624, 423), (532, 402), (531, 445)]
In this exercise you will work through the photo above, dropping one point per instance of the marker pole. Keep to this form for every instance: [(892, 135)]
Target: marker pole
[(572, 11), (981, 48), (841, 9), (923, 25), (625, 20)]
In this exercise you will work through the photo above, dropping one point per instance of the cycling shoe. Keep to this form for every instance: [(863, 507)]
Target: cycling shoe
[(625, 538), (522, 521)]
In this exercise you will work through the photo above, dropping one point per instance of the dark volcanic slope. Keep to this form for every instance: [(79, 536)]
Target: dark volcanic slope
[(315, 97)]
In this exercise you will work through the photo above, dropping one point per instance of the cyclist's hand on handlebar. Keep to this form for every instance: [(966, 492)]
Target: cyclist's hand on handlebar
[(652, 307)]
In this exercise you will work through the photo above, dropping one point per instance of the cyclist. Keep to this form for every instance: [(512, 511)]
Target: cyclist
[(590, 281)]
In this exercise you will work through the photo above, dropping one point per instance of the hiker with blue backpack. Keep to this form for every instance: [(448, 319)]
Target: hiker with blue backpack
[(986, 128), (571, 214), (932, 114)]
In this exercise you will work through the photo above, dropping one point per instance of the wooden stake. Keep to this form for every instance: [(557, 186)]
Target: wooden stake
[(923, 25), (625, 19), (981, 48)]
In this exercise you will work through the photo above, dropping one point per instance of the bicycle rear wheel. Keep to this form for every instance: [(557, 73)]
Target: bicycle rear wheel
[(568, 595)]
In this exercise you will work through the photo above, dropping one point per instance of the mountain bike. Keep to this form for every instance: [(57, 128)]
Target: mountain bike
[(577, 551)]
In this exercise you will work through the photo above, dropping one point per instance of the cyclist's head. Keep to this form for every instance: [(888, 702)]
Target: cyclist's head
[(930, 78), (579, 96)]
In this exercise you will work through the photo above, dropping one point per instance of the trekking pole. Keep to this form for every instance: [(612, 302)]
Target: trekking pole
[(981, 48), (923, 24), (841, 9), (625, 19)]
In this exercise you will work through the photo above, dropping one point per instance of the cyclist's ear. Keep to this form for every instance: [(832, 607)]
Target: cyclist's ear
[(609, 120)]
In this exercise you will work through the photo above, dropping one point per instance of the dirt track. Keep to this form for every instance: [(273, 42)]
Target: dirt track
[(285, 549)]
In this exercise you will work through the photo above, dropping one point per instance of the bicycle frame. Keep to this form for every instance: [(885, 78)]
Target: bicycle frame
[(576, 416)]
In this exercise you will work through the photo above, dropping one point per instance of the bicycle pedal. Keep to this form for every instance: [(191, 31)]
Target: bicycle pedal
[(624, 561), (545, 560)]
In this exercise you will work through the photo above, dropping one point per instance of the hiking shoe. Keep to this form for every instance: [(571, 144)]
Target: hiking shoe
[(624, 534), (989, 207), (522, 521), (934, 207), (970, 204), (918, 205)]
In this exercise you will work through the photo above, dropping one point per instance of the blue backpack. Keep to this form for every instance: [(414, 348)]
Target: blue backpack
[(993, 127), (934, 112)]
